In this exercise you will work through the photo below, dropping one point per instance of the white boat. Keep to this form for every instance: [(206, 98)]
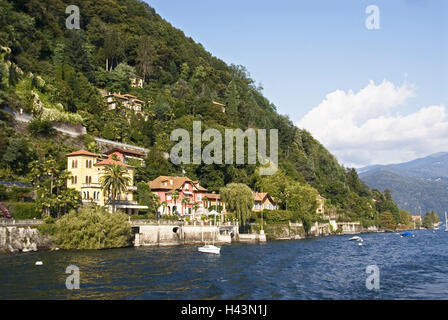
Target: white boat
[(356, 238), (446, 222), (210, 249)]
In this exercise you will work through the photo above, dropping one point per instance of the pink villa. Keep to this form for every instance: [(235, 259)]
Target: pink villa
[(164, 186)]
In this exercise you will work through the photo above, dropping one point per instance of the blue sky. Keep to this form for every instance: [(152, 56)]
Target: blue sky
[(300, 51)]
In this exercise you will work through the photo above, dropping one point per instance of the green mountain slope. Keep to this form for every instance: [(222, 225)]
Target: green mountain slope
[(57, 74)]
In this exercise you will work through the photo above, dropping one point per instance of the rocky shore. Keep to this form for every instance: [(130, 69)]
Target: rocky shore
[(23, 239)]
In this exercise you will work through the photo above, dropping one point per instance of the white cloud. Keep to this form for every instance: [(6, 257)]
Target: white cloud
[(362, 128)]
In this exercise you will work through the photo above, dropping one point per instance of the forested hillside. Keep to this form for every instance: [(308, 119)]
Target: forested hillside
[(56, 74), (418, 186)]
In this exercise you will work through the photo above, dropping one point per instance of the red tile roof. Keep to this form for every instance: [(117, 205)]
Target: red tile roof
[(212, 195), (259, 196), (125, 151), (110, 162), (178, 182), (82, 152)]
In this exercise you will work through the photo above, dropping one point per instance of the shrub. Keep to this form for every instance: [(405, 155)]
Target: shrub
[(48, 220), (278, 216), (24, 210), (147, 216), (41, 127), (92, 228), (46, 229), (171, 218)]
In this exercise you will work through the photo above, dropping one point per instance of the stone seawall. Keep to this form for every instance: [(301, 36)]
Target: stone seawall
[(24, 239), (168, 235), (284, 232)]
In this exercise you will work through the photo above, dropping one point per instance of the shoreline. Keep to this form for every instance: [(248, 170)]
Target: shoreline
[(27, 239)]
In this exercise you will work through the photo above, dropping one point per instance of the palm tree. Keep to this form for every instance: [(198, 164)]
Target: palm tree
[(185, 202), (114, 182), (205, 202), (164, 205), (195, 206), (175, 196)]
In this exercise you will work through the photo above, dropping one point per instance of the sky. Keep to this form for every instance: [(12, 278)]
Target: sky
[(370, 96)]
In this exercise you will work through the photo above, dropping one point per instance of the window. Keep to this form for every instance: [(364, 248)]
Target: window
[(187, 187), (74, 180), (88, 163)]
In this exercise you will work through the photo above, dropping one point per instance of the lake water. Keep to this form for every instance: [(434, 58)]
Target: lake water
[(321, 268)]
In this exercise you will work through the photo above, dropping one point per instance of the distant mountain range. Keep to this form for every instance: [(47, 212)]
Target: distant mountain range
[(418, 186)]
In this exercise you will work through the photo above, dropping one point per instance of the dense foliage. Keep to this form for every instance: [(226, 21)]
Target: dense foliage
[(239, 200), (23, 210), (92, 228), (56, 74), (430, 220)]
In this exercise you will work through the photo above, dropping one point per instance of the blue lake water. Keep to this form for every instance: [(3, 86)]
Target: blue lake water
[(321, 268)]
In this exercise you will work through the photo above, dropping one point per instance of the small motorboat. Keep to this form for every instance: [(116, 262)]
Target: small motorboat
[(356, 238), (210, 249), (39, 263), (407, 234)]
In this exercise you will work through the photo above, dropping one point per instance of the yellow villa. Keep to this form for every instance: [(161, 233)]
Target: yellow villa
[(86, 169)]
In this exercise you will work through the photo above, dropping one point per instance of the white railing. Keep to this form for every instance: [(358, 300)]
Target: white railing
[(13, 222)]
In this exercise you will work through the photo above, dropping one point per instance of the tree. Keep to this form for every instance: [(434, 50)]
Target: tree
[(146, 197), (302, 200), (19, 154), (114, 182), (113, 48), (92, 228), (164, 205), (239, 200), (387, 221), (406, 218), (430, 219), (232, 101), (388, 194), (185, 202), (276, 185), (146, 54), (175, 196), (195, 206)]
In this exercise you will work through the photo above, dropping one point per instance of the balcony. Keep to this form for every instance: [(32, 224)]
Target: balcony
[(91, 185)]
